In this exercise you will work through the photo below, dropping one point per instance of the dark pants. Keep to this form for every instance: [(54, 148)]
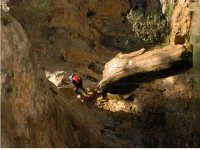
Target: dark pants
[(78, 86)]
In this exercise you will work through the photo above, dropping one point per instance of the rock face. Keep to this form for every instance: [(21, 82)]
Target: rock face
[(131, 68), (180, 22), (34, 114), (80, 36)]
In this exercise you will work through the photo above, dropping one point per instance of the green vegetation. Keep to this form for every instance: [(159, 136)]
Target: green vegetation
[(169, 9), (41, 4), (32, 12), (152, 29), (165, 42)]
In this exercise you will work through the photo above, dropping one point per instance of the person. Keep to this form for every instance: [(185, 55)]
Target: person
[(77, 82)]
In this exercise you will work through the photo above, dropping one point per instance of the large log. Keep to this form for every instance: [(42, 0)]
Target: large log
[(140, 66)]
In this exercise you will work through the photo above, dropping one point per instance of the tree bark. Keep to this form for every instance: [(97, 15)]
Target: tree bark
[(142, 67)]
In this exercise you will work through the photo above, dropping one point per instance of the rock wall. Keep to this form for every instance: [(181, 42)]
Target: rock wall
[(33, 112), (180, 23)]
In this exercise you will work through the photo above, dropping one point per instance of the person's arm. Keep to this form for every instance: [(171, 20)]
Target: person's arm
[(70, 78)]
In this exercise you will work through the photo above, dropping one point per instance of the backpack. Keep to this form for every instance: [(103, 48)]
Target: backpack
[(77, 79)]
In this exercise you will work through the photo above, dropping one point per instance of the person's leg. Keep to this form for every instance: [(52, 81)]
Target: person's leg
[(76, 90), (82, 88), (76, 87)]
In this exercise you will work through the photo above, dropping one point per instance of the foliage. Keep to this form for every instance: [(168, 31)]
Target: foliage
[(150, 28), (169, 9), (164, 43), (41, 4)]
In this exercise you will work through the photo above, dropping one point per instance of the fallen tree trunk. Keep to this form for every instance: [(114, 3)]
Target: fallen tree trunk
[(138, 67)]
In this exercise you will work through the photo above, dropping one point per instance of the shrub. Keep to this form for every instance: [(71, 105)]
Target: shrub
[(169, 9), (150, 28), (42, 4)]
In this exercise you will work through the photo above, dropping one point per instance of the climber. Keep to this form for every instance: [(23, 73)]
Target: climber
[(77, 82)]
